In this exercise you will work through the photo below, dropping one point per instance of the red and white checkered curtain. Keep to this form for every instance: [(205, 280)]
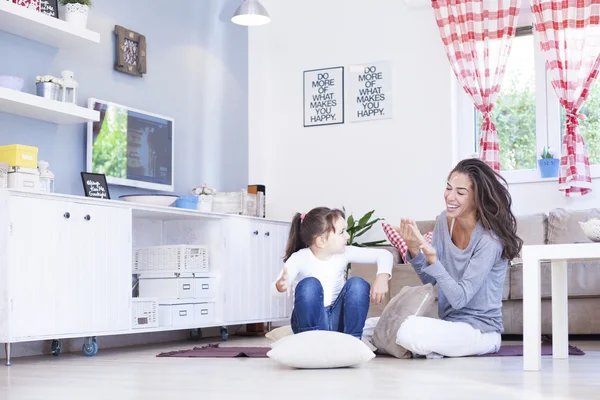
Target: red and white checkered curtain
[(569, 32), (477, 36)]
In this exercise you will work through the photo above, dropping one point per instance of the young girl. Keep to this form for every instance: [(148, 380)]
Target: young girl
[(315, 263)]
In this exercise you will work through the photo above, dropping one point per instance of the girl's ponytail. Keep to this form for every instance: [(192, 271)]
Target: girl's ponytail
[(294, 242)]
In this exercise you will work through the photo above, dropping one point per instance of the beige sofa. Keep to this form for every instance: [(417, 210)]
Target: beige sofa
[(558, 226)]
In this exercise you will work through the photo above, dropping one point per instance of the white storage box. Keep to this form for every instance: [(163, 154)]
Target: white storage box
[(178, 258), (166, 288), (173, 313), (144, 313), (26, 179), (181, 287), (204, 313), (205, 288)]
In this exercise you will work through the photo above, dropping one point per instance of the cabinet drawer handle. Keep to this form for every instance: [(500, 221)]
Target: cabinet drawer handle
[(255, 232), (205, 286), (204, 311), (87, 217), (267, 233), (187, 286), (67, 215), (182, 313)]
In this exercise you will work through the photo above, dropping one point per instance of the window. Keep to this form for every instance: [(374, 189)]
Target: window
[(527, 114)]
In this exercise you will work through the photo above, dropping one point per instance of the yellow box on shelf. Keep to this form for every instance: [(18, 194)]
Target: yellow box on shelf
[(19, 155)]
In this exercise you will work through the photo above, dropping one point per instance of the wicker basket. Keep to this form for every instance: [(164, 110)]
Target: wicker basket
[(3, 175), (178, 259)]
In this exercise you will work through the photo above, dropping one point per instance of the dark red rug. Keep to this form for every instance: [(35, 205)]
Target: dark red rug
[(214, 351)]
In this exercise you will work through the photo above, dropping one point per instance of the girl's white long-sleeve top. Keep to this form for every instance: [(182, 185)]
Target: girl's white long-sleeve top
[(330, 273)]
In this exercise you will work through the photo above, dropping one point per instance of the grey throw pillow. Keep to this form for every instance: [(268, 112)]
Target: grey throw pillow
[(409, 301)]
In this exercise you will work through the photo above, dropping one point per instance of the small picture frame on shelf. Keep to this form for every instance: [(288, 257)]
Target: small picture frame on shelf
[(49, 8), (130, 52), (94, 185)]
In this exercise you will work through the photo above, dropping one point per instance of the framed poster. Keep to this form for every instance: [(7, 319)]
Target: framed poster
[(370, 91), (49, 7), (324, 96), (94, 185)]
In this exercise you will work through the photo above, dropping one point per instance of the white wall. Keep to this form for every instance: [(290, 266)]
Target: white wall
[(397, 166)]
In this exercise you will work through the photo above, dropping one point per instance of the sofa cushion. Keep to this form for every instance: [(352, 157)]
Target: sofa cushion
[(532, 228), (563, 225), (583, 279)]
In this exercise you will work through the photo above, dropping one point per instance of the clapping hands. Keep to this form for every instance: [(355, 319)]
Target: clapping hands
[(409, 231)]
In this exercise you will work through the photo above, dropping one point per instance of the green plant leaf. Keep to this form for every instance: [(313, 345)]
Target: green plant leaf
[(365, 218), (367, 227), (375, 243)]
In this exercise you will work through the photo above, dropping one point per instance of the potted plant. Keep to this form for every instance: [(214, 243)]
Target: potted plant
[(76, 11), (548, 164), (48, 86), (357, 228), (204, 194)]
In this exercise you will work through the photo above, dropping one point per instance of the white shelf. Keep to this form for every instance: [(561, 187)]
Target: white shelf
[(42, 28), (32, 106)]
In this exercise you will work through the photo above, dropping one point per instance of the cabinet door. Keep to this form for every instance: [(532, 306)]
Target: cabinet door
[(69, 272), (39, 269), (237, 271), (101, 249)]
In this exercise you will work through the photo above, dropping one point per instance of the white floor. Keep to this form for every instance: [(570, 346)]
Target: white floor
[(136, 373)]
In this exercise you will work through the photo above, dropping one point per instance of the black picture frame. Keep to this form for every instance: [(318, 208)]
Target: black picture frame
[(91, 180), (340, 113), (49, 8)]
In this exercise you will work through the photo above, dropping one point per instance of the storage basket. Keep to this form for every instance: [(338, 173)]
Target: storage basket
[(179, 258), (144, 312), (3, 175)]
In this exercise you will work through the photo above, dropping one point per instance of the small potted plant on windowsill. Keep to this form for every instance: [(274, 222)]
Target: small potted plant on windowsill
[(548, 164), (76, 11)]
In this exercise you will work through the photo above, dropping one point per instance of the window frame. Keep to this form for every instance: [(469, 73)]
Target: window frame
[(547, 115)]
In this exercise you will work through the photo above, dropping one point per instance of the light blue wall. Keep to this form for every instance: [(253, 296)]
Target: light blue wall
[(197, 74)]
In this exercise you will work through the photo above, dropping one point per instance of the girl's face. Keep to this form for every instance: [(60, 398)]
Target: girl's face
[(335, 242), (459, 196)]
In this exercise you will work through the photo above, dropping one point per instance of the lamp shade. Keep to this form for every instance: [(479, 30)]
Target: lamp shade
[(251, 13)]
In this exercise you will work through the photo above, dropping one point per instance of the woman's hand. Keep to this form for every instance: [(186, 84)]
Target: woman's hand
[(428, 250), (379, 288), (407, 232)]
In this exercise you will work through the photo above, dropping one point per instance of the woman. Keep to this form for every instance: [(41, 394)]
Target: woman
[(473, 240)]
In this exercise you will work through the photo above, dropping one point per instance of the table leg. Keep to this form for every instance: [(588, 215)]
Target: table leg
[(532, 314), (560, 314)]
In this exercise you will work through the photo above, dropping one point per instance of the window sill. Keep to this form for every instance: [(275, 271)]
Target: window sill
[(533, 176)]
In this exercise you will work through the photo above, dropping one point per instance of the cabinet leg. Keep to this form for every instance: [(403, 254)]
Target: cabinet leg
[(7, 349)]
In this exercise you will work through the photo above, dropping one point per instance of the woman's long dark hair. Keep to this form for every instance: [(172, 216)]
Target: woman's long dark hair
[(316, 222), (493, 204)]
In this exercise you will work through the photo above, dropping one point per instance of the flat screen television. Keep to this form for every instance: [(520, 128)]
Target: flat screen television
[(131, 147)]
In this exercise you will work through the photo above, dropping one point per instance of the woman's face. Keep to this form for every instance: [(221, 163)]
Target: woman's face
[(459, 196)]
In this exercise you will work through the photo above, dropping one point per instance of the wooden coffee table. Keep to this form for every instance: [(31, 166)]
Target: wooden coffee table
[(558, 254)]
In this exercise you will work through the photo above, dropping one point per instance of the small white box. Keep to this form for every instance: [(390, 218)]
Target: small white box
[(26, 179), (166, 288), (172, 313), (205, 288), (204, 313)]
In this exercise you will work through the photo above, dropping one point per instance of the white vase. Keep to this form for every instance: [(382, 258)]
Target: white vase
[(205, 203), (77, 14)]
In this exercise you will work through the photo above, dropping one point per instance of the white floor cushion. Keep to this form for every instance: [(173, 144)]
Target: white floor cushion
[(320, 349)]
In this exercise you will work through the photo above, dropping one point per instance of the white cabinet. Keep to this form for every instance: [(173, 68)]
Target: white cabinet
[(68, 268), (255, 251)]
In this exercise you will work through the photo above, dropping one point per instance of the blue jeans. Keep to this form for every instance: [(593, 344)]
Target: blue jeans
[(347, 314)]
